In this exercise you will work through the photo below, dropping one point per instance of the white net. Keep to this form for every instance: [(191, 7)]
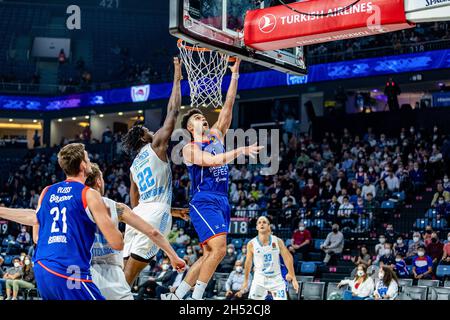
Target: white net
[(205, 69)]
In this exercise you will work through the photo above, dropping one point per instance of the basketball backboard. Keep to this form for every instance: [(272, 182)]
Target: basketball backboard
[(219, 25)]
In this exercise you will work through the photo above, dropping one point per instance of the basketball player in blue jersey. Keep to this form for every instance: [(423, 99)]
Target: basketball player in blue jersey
[(151, 183), (107, 263), (264, 253), (68, 215), (207, 161)]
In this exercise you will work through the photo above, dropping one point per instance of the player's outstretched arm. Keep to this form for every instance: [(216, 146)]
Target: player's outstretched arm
[(226, 114), (193, 154), (247, 267), (133, 220), (23, 216), (101, 216), (289, 261), (173, 109)]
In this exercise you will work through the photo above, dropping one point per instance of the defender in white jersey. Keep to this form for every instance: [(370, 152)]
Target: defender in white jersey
[(107, 263), (151, 183), (263, 252)]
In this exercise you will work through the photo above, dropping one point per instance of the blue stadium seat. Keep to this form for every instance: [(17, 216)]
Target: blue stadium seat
[(8, 260), (181, 252), (400, 195), (438, 225), (442, 271), (308, 223), (387, 205), (237, 243), (410, 267), (288, 242), (5, 242), (364, 223), (421, 223), (320, 223), (308, 268), (318, 243), (431, 213)]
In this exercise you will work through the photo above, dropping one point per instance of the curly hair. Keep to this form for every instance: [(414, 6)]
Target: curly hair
[(190, 113), (132, 142)]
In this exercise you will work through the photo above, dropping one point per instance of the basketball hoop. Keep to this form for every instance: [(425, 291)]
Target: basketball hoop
[(205, 69)]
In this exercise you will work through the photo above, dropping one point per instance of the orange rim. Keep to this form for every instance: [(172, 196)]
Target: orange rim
[(182, 44)]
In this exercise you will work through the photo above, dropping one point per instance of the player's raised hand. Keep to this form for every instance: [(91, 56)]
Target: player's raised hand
[(294, 282), (235, 67), (252, 150), (182, 213), (177, 68)]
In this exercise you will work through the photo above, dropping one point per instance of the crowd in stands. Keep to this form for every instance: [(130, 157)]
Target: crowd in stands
[(340, 180)]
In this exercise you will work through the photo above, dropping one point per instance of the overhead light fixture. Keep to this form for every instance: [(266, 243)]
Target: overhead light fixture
[(182, 107), (120, 113), (11, 120), (59, 120), (140, 111), (102, 115), (86, 117), (34, 121), (74, 118)]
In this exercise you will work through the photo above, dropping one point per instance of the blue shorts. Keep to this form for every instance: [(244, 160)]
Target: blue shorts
[(210, 214), (53, 285)]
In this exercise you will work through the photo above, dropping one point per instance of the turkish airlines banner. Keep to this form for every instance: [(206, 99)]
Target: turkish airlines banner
[(280, 27)]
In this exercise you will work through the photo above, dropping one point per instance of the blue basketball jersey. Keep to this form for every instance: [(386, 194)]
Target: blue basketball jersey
[(209, 179), (66, 229)]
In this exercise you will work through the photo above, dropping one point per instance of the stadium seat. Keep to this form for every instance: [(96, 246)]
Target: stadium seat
[(442, 271), (288, 242), (313, 290), (447, 284), (305, 278), (318, 243), (237, 243), (387, 205), (414, 293), (431, 213), (320, 223), (308, 223), (181, 252), (292, 294), (421, 223), (332, 287), (428, 283), (8, 260), (438, 224), (439, 293), (410, 268), (220, 288), (400, 195), (308, 268), (404, 282)]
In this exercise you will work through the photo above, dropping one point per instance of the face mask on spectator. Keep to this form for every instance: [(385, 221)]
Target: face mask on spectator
[(416, 239), (387, 252), (189, 251), (399, 241), (301, 228), (24, 230), (165, 267), (441, 201), (370, 170), (27, 262), (398, 259), (382, 240), (239, 269), (16, 264), (230, 250), (181, 232), (310, 171), (381, 275), (420, 253), (360, 273), (21, 258)]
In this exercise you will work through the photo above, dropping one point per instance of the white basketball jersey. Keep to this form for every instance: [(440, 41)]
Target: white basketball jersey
[(266, 259), (152, 176), (102, 253)]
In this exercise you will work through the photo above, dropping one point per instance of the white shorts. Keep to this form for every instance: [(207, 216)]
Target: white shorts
[(261, 286), (156, 214), (111, 282)]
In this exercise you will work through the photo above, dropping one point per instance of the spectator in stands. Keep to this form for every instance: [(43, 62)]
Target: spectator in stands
[(311, 191), (392, 182), (414, 246), (34, 199), (392, 91), (363, 258), (386, 287), (362, 286), (190, 253), (442, 207), (390, 234), (62, 57), (334, 244), (400, 267), (400, 247), (379, 247), (301, 242), (332, 210), (367, 189), (13, 273), (243, 254), (173, 234), (446, 255), (422, 265), (417, 178), (26, 281), (182, 240), (24, 238), (107, 135), (229, 260), (36, 139), (427, 235), (234, 283), (287, 196), (87, 135), (440, 192), (383, 193), (387, 259), (435, 250)]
